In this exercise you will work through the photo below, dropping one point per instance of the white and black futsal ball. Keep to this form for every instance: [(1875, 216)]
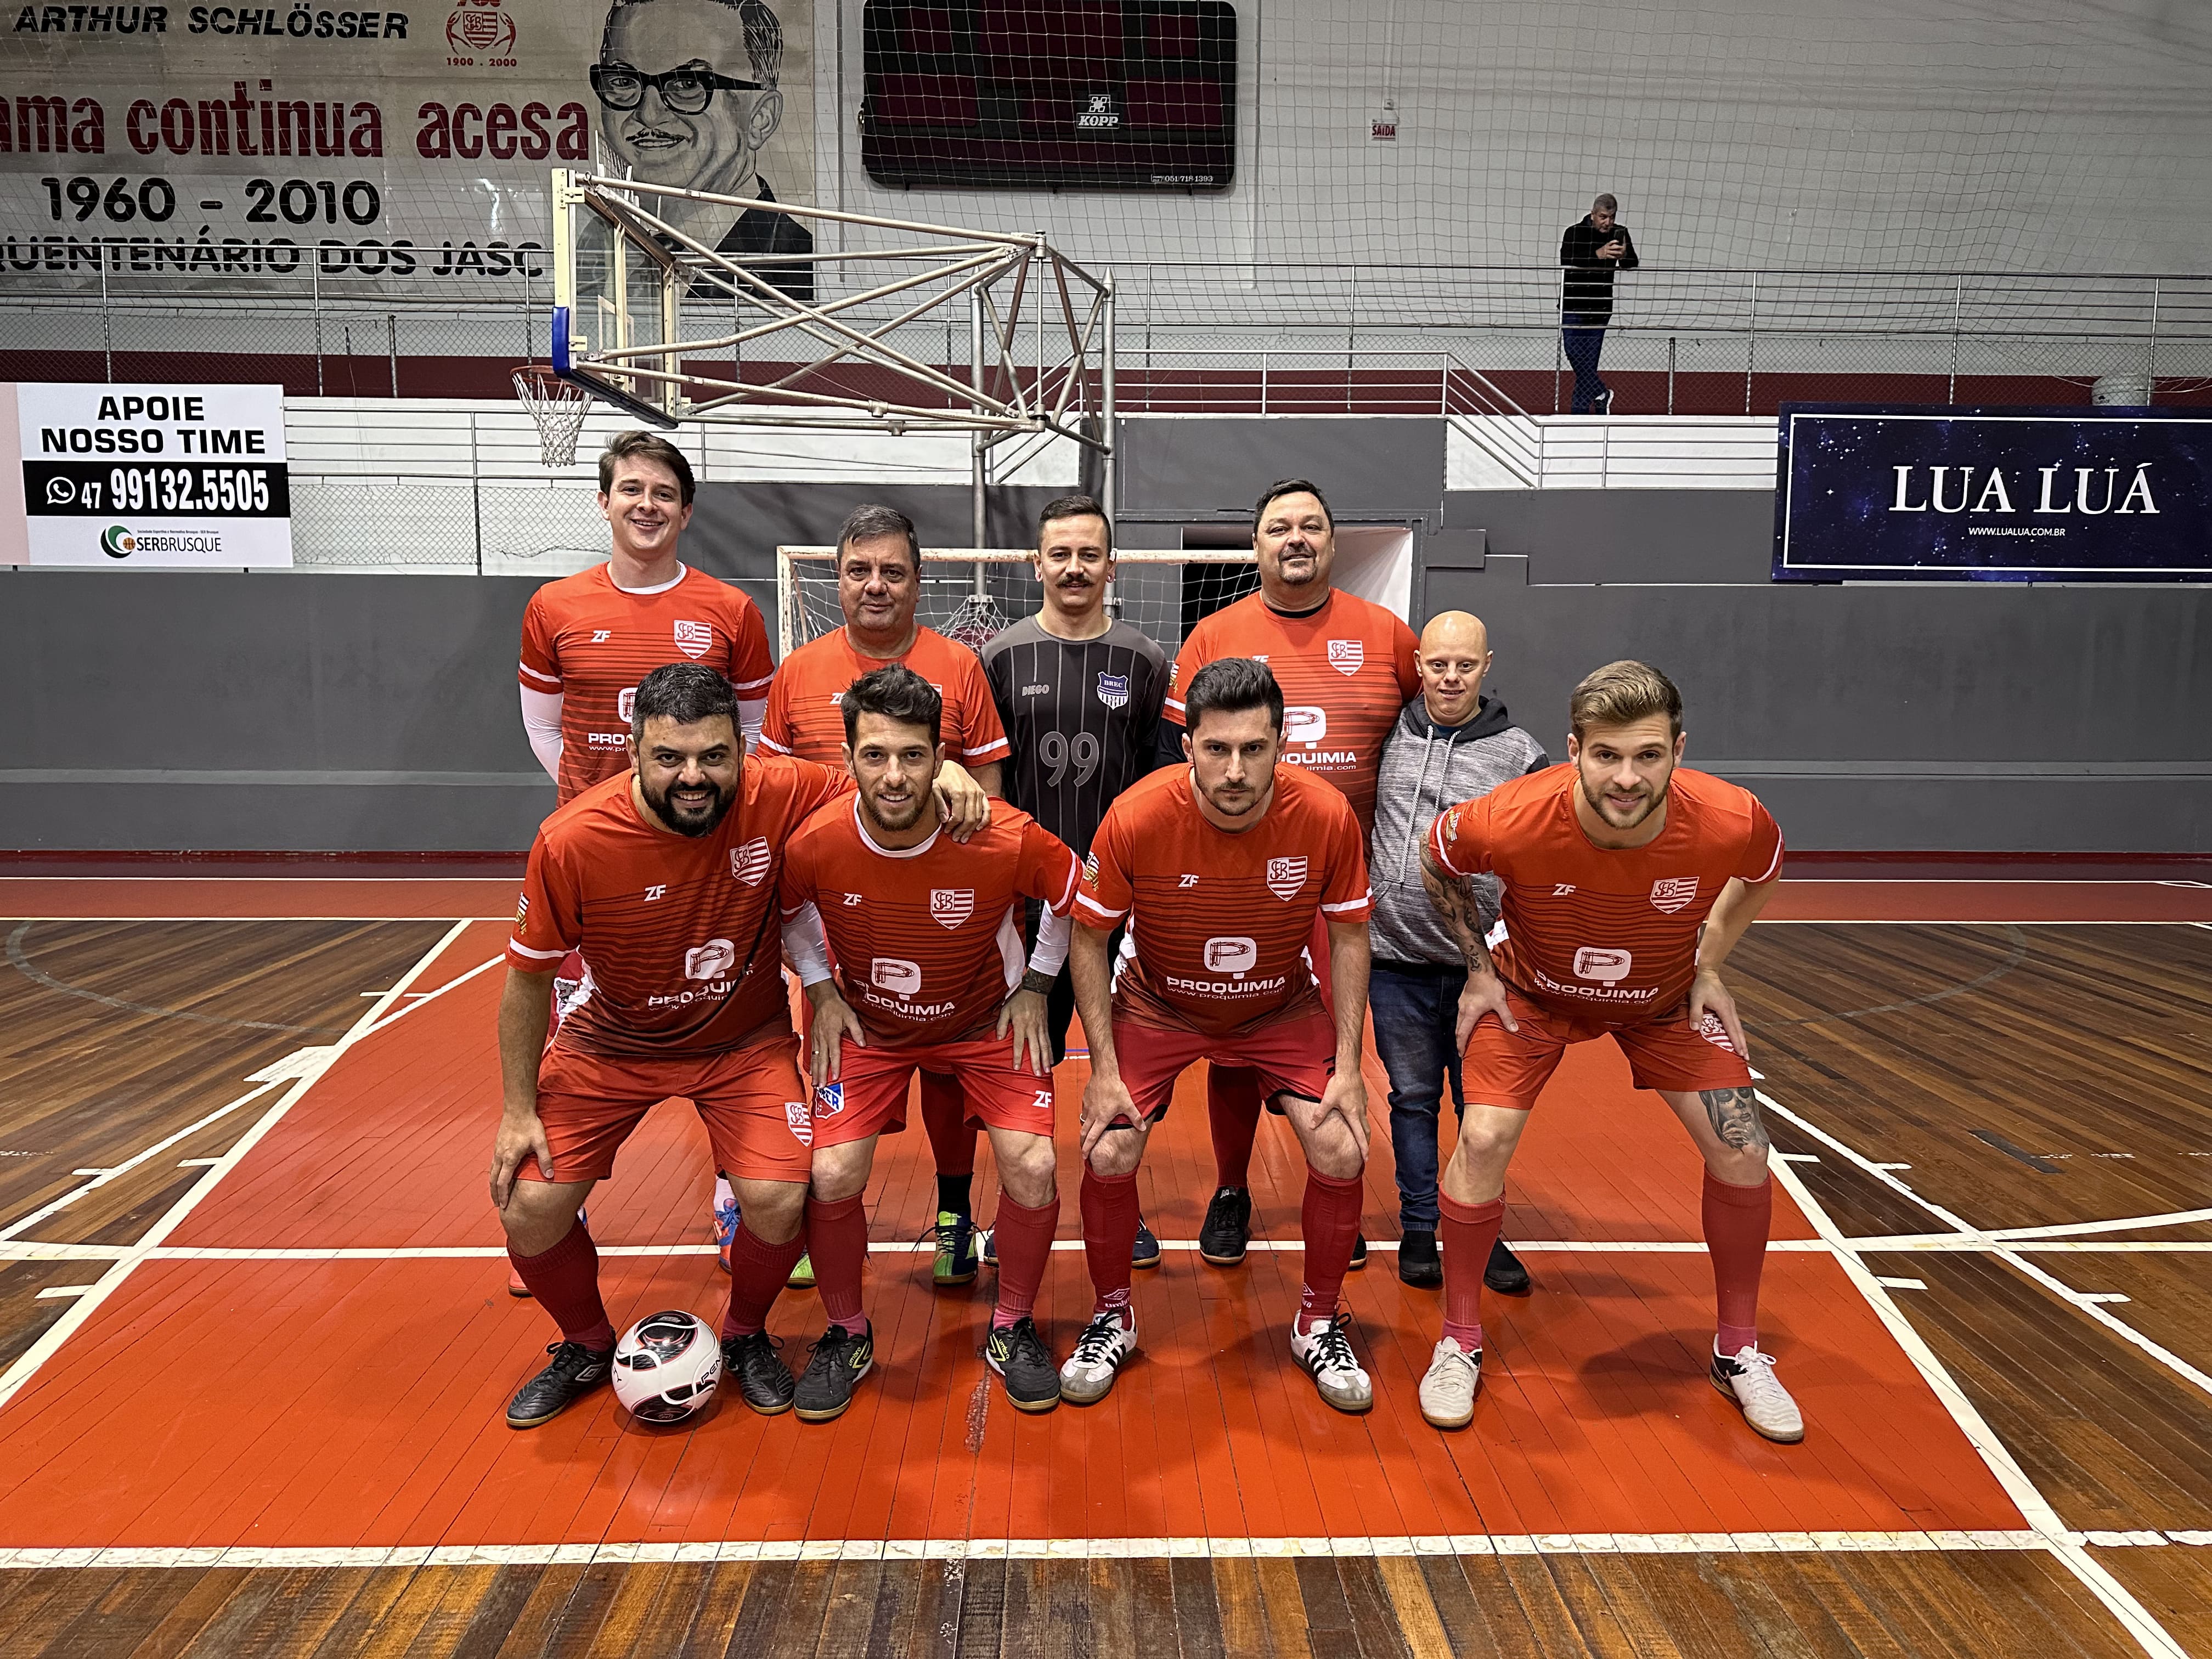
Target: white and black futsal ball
[(666, 1366)]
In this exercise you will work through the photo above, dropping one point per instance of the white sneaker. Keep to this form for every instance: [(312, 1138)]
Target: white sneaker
[(1325, 1353), (1749, 1379), (1105, 1345), (1448, 1390)]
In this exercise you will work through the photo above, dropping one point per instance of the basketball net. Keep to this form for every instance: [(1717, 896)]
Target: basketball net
[(558, 407)]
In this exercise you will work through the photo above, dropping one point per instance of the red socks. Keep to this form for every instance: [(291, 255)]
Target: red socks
[(1232, 1109), (1110, 1232), (1023, 1237), (565, 1279), (837, 1239), (945, 1116), (757, 1272), (1469, 1232), (1736, 1221), (1327, 1221)]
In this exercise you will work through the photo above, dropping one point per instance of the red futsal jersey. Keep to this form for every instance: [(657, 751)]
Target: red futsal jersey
[(1221, 918), (589, 643), (1346, 670), (681, 932), (1607, 935), (928, 939), (804, 717)]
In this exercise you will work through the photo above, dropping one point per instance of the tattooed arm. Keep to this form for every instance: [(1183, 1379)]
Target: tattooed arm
[(1485, 993)]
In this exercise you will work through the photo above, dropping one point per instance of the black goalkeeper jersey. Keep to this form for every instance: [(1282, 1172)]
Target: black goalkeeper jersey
[(1082, 716)]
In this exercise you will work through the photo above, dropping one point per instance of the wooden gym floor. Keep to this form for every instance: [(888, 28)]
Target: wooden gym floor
[(255, 1340)]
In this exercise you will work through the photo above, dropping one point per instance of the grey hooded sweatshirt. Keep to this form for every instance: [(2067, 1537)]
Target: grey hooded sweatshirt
[(1426, 767)]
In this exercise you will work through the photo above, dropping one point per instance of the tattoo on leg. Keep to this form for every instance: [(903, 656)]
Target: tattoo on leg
[(1734, 1113)]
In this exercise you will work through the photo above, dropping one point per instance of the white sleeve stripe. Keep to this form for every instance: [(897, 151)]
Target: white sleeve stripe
[(755, 685), (522, 950), (550, 679), (1771, 868), (772, 745), (1083, 901), (998, 750), (1361, 902), (1074, 881)]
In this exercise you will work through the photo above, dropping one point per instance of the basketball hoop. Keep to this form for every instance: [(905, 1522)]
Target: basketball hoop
[(558, 407)]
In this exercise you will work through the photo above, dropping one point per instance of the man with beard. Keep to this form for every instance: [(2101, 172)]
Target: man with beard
[(1079, 694), (666, 878), (879, 588), (1222, 867), (688, 97), (927, 938), (1345, 667), (1624, 879)]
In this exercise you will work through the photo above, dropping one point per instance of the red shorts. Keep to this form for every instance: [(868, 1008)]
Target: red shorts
[(1293, 1057), (869, 1097), (751, 1098), (1510, 1068)]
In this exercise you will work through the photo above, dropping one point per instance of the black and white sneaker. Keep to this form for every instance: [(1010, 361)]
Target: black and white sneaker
[(1100, 1352), (1227, 1227), (1019, 1356), (1358, 1254), (839, 1360), (1325, 1353), (575, 1372), (1747, 1378), (1145, 1251), (762, 1376)]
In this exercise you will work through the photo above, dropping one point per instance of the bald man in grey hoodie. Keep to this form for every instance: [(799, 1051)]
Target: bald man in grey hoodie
[(1450, 744)]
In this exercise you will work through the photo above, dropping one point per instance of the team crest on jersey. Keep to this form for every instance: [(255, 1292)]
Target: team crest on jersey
[(1674, 892), (521, 911), (801, 1121), (1091, 869), (626, 704), (1347, 656), (951, 906), (1286, 876), (750, 863), (696, 640), (828, 1099), (1114, 690)]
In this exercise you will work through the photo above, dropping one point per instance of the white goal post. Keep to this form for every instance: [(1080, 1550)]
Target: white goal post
[(971, 593)]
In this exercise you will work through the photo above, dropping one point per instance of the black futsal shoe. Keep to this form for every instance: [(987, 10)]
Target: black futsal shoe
[(1418, 1264), (1227, 1227), (759, 1371), (1505, 1274), (575, 1372), (1358, 1254), (1019, 1356), (1145, 1252), (840, 1359)]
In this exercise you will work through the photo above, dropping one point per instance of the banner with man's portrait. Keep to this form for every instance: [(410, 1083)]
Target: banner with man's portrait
[(158, 147)]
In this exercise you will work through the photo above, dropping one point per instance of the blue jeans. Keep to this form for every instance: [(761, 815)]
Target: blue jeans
[(1583, 338), (1414, 1016)]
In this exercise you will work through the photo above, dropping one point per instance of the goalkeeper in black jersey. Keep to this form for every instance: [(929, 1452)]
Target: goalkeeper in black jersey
[(1079, 694)]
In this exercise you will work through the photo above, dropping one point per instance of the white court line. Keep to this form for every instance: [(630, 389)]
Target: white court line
[(2137, 1620), (466, 1252), (2086, 1301), (27, 1364), (417, 998)]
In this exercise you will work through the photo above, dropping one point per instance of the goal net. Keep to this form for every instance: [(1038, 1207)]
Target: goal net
[(971, 594)]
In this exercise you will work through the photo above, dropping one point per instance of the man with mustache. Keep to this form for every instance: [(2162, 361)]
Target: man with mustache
[(1345, 667), (665, 878), (879, 588), (1624, 879), (1079, 694), (927, 936)]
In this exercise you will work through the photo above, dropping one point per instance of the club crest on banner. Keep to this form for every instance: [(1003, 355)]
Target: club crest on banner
[(696, 639), (1347, 656), (752, 862), (1672, 893), (1286, 876), (801, 1121), (951, 906), (1114, 690)]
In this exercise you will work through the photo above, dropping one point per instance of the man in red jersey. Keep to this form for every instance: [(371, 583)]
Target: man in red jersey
[(1624, 879), (1347, 667), (666, 880), (1222, 866), (927, 935), (878, 585), (588, 639)]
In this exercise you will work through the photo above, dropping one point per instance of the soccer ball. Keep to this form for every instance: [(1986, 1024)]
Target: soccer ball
[(666, 1366)]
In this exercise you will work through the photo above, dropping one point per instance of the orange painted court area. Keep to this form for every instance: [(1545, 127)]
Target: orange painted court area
[(220, 1398)]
